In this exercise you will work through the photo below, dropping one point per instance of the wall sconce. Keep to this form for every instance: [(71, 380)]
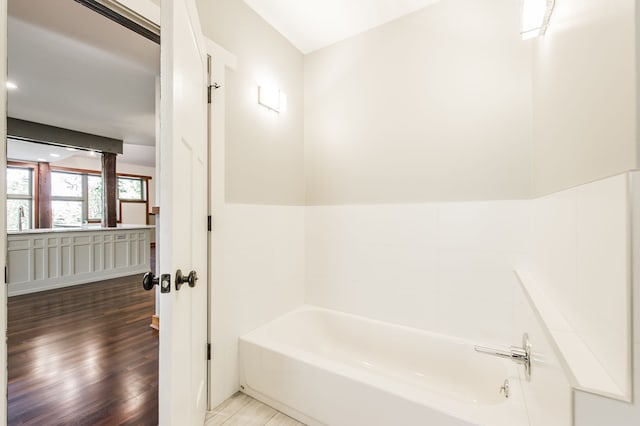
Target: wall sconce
[(272, 98), (535, 17)]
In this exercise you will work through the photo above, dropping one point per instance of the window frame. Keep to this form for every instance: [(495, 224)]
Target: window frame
[(35, 190), (31, 197), (144, 181), (83, 198), (143, 192)]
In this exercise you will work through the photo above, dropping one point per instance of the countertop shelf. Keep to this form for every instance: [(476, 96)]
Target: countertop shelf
[(88, 228)]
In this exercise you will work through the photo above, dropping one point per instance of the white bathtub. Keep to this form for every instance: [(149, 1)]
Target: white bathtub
[(331, 368)]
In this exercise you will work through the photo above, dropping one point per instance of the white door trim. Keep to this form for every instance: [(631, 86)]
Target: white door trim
[(221, 60), (3, 218)]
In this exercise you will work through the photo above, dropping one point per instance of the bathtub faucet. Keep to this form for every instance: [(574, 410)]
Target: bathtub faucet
[(516, 354)]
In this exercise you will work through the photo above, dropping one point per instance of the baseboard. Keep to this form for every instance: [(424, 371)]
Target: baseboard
[(26, 287), (155, 322)]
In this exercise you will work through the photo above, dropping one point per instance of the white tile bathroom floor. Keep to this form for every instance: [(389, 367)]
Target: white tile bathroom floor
[(241, 409)]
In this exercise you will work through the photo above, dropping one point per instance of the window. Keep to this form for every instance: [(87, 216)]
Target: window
[(77, 197), (67, 198), (131, 189), (19, 198), (94, 197)]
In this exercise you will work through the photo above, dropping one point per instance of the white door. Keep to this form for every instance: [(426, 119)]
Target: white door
[(3, 219), (183, 215)]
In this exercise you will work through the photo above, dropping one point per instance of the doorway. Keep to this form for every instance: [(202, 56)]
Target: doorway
[(76, 70)]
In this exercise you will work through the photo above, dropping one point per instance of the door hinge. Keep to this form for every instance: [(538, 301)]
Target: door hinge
[(209, 223), (208, 351), (210, 90)]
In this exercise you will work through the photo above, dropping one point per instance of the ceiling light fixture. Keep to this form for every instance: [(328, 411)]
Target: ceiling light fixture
[(272, 98), (535, 17), (54, 155), (71, 149), (42, 160), (11, 85)]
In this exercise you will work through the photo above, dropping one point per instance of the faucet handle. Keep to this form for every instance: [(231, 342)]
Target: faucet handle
[(520, 355)]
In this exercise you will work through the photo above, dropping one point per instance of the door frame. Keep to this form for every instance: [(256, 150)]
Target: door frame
[(221, 61), (3, 211)]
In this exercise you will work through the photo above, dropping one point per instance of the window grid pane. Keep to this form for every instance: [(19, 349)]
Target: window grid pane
[(130, 189), (66, 213), (68, 185), (14, 216), (19, 181), (94, 197)]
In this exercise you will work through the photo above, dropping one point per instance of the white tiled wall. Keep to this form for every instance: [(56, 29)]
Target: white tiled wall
[(592, 410), (257, 275), (580, 259), (445, 267), (548, 395)]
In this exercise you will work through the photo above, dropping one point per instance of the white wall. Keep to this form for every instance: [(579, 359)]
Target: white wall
[(258, 261), (257, 251), (264, 153), (592, 410), (433, 106), (549, 394), (584, 87), (580, 261), (445, 267)]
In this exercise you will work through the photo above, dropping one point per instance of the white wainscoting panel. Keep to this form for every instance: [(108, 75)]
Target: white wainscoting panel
[(44, 261)]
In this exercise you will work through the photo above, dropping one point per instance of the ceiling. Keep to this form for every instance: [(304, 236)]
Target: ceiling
[(34, 152), (78, 70), (19, 150), (313, 24)]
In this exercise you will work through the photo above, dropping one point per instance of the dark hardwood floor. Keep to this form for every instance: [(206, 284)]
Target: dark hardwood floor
[(83, 355)]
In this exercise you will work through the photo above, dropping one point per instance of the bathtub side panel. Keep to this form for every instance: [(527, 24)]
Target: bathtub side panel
[(318, 396)]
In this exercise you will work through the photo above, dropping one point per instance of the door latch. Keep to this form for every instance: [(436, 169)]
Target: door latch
[(149, 281)]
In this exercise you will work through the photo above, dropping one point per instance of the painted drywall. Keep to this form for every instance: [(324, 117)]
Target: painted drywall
[(584, 94), (81, 162), (264, 153), (433, 106)]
